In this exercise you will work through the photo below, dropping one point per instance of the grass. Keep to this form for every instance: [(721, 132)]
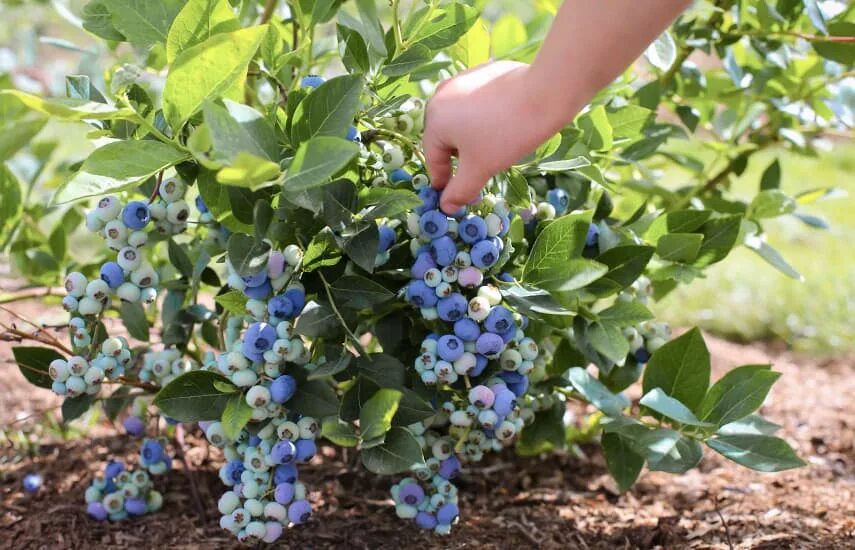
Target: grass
[(745, 298)]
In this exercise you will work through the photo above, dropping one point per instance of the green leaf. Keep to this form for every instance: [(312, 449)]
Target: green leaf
[(11, 202), (679, 247), (658, 401), (314, 398), (410, 59), (247, 255), (331, 368), (737, 394), (763, 453), (340, 433), (625, 314), (626, 263), (681, 368), (317, 320), (412, 408), (353, 50), (75, 407), (771, 178), (133, 316), (209, 70), (117, 402), (720, 235), (233, 301), (662, 52), (179, 258), (18, 133), (236, 128), (143, 22), (545, 433), (236, 415), (357, 292), (340, 203), (628, 121), (375, 417), (249, 171), (384, 370), (98, 20), (577, 273), (323, 251), (445, 29), (774, 258), (34, 363), (195, 396), (685, 455), (68, 108), (361, 246), (596, 393), (560, 241), (371, 28), (608, 340), (771, 204), (596, 131), (329, 110), (316, 161), (118, 166), (564, 165), (507, 35), (753, 424), (198, 21), (842, 52), (534, 302), (680, 221), (398, 453), (389, 203), (622, 461)]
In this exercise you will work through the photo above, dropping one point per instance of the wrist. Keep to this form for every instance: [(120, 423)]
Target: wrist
[(553, 105)]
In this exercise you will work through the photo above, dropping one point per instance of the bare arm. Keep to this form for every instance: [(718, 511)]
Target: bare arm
[(493, 115)]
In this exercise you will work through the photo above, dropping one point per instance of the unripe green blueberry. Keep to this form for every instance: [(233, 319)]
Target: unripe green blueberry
[(75, 385), (228, 502), (510, 359), (157, 211), (288, 430), (129, 292), (137, 239), (442, 449), (93, 222), (404, 124), (172, 189), (479, 308), (258, 396), (77, 365), (393, 157), (216, 435), (494, 224), (254, 506), (528, 349), (308, 427), (112, 346), (240, 517), (58, 370), (293, 255), (244, 378), (256, 308), (491, 293), (94, 376), (129, 258), (274, 510), (465, 363), (655, 343), (75, 284), (116, 231), (97, 290), (545, 211), (299, 491), (144, 276), (295, 350), (113, 502), (178, 212), (463, 259), (148, 295), (420, 180)]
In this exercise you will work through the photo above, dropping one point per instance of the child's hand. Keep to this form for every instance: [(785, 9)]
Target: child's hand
[(489, 118)]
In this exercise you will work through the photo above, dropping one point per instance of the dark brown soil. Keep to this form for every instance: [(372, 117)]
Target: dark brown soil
[(564, 501)]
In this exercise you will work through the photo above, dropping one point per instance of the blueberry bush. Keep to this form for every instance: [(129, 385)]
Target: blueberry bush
[(274, 249)]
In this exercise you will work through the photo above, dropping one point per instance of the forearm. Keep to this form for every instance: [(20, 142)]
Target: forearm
[(590, 43)]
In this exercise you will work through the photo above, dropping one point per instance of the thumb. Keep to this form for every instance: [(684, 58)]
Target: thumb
[(463, 188)]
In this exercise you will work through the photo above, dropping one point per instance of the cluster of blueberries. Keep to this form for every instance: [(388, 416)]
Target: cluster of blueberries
[(430, 498), (648, 336), (78, 375), (162, 367), (122, 493)]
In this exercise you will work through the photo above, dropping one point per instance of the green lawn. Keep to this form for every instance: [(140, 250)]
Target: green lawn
[(745, 298)]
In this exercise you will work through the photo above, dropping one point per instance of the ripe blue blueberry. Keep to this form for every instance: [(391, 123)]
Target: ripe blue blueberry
[(484, 254), (449, 467), (433, 224), (421, 295), (284, 473), (284, 493), (450, 347), (96, 511), (506, 277), (472, 229), (500, 320), (467, 330), (259, 292), (412, 494), (134, 425), (135, 506), (481, 396), (642, 355), (311, 81), (112, 274), (259, 338), (593, 235), (284, 452), (113, 469), (283, 388), (444, 250), (151, 452), (399, 175), (430, 200), (306, 449), (452, 308), (280, 307), (516, 382), (424, 262), (489, 344), (352, 134), (386, 238), (559, 199), (425, 520), (447, 513), (299, 511), (234, 469), (480, 364), (255, 280), (504, 402), (200, 205), (136, 215), (32, 482), (298, 298)]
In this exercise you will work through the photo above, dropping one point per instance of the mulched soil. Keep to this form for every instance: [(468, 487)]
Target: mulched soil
[(556, 501)]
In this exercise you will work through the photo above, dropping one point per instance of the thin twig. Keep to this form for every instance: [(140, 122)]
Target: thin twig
[(723, 522), (31, 294), (182, 454), (156, 187), (269, 8)]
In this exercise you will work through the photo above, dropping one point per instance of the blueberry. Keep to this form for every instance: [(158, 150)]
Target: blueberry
[(259, 337), (399, 175), (284, 493), (113, 469), (352, 134), (254, 441), (234, 468), (433, 224), (425, 520), (200, 205), (430, 200), (32, 482), (593, 235), (298, 298), (449, 467), (444, 250), (151, 452), (134, 425), (472, 229), (284, 473), (423, 263), (280, 307), (499, 320), (311, 81), (259, 292), (450, 347), (504, 402), (306, 449), (136, 215), (283, 388), (489, 344), (516, 382), (96, 511), (506, 277), (482, 397), (421, 295), (467, 330), (642, 355), (447, 513), (283, 452), (559, 199), (135, 506), (112, 274), (299, 511), (255, 280), (386, 239), (453, 307), (480, 364), (484, 254), (411, 494)]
